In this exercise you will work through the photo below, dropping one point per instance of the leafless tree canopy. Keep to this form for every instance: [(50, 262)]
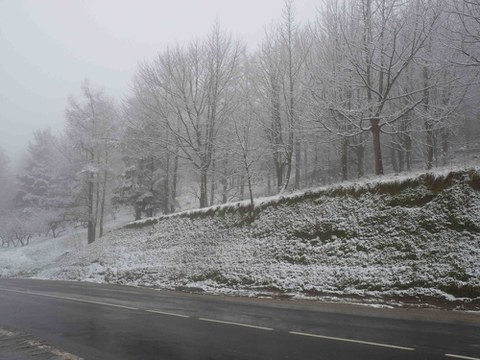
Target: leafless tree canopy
[(365, 87)]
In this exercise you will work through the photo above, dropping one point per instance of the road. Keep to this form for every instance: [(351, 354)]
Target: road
[(98, 321)]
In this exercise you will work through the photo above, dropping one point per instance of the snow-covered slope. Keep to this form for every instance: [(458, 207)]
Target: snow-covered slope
[(397, 237)]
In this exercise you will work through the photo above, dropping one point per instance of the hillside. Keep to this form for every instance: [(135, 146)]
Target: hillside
[(399, 239)]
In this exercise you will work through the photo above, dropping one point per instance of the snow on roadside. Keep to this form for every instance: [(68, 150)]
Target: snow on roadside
[(413, 242)]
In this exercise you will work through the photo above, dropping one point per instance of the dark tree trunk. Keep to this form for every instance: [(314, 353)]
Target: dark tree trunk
[(173, 192), (212, 185), (400, 152), (360, 152), (393, 156), (269, 182), (344, 159), (203, 188), (224, 180), (445, 146), (166, 185), (298, 163), (242, 186), (377, 147), (91, 221), (138, 213), (315, 163), (430, 145), (104, 195), (305, 164), (408, 152), (279, 170)]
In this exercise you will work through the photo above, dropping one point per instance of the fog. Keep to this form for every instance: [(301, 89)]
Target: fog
[(48, 47)]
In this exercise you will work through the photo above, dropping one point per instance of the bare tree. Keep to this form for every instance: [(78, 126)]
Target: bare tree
[(281, 62), (464, 33), (90, 128), (385, 41), (247, 134), (193, 90)]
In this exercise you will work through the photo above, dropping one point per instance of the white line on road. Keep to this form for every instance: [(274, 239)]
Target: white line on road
[(167, 313), (461, 357), (71, 299), (236, 324), (353, 341), (99, 303)]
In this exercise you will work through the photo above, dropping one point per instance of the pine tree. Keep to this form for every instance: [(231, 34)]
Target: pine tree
[(39, 194), (141, 186)]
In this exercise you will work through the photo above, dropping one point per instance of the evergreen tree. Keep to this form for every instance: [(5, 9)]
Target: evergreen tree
[(6, 183), (40, 192), (141, 186), (36, 188)]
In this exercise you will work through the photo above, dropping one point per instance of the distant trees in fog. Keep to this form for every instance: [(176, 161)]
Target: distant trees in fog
[(368, 86)]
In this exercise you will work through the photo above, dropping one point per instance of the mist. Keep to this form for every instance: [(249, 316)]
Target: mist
[(49, 47)]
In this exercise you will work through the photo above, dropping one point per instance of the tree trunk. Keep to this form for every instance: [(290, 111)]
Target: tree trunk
[(279, 170), (428, 124), (298, 161), (173, 192), (360, 153), (289, 167), (203, 188), (104, 192), (97, 197), (276, 137), (224, 180), (224, 183), (377, 147), (393, 156), (305, 164), (344, 159), (408, 152), (212, 186), (401, 158), (242, 187), (166, 185), (91, 222), (430, 144), (445, 147), (250, 192), (269, 183), (315, 162), (138, 213)]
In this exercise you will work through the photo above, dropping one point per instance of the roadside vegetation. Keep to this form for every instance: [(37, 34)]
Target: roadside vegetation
[(399, 238)]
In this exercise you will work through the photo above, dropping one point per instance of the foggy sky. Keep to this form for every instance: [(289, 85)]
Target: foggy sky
[(48, 47)]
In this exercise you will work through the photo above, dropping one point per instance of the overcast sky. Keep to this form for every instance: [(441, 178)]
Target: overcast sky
[(47, 47)]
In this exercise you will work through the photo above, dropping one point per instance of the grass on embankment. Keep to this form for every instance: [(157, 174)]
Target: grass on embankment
[(406, 237)]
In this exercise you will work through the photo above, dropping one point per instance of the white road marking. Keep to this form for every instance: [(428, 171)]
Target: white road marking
[(236, 324), (167, 313), (461, 357), (100, 303), (71, 299), (353, 341)]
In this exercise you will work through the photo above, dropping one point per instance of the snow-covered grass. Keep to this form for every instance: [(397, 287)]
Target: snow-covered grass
[(396, 237)]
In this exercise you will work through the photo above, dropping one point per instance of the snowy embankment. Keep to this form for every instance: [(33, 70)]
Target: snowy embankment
[(399, 238)]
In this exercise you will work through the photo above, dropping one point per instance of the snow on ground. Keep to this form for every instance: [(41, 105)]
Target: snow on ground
[(381, 239)]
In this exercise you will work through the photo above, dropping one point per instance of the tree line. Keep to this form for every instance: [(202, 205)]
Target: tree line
[(365, 87)]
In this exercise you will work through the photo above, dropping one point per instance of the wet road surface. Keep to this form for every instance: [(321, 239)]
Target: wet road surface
[(98, 321)]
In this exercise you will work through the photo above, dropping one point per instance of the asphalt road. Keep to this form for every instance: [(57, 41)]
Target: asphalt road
[(106, 322)]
